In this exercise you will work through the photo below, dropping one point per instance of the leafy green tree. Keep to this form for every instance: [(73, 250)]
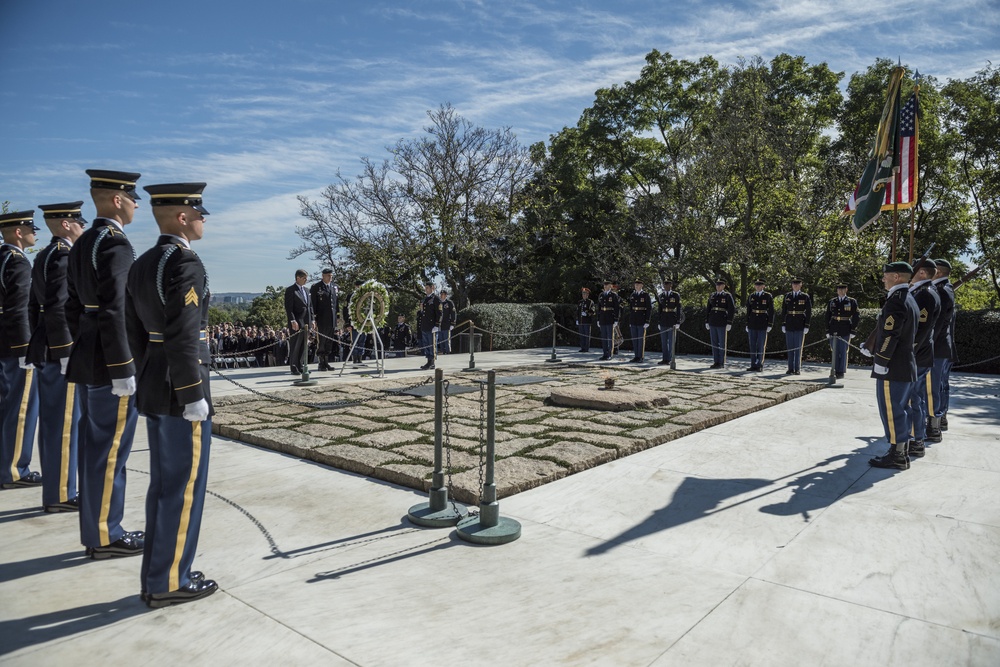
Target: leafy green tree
[(268, 309)]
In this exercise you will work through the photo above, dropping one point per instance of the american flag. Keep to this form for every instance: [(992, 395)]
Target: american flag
[(907, 179)]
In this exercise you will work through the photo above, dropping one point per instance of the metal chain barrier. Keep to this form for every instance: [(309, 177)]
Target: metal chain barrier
[(512, 335), (482, 437)]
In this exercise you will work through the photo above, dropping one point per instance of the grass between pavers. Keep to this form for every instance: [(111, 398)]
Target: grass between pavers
[(701, 401)]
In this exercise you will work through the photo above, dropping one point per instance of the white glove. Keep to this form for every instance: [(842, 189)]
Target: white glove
[(578, 323), (850, 336), (23, 363), (123, 386), (865, 351), (677, 326), (451, 327), (616, 324), (805, 330), (783, 329), (881, 370), (747, 329), (707, 326), (64, 364), (728, 327), (645, 326), (829, 336), (435, 330), (197, 411), (769, 330)]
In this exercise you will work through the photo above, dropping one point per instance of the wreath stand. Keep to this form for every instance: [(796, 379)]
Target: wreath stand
[(376, 340)]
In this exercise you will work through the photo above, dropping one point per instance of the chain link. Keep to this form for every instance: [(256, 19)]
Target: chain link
[(482, 440)]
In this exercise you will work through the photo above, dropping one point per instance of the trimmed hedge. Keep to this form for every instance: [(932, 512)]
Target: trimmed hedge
[(977, 333)]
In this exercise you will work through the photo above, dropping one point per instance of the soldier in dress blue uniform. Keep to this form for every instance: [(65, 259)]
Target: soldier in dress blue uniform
[(51, 344), (585, 312), (323, 295), (18, 398), (167, 311), (449, 317), (945, 353), (895, 364), (102, 366), (719, 316), (922, 397), (842, 319), (428, 323), (760, 315), (796, 311), (640, 310), (609, 310), (670, 318)]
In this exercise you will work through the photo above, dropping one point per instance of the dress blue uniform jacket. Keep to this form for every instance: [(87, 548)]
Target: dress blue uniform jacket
[(51, 338), (929, 308), (842, 316), (796, 311), (760, 310), (15, 287), (895, 332), (669, 309), (721, 309)]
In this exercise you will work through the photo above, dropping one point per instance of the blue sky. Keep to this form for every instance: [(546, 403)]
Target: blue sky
[(267, 100)]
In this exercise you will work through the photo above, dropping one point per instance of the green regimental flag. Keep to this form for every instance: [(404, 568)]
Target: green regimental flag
[(883, 161)]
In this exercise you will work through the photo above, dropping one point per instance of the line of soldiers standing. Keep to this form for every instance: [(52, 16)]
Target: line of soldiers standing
[(90, 337)]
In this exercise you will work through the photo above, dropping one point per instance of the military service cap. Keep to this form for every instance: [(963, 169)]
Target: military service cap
[(668, 281), (796, 281), (585, 289), (18, 218), (720, 281), (63, 211), (758, 282), (638, 281), (327, 271), (927, 265), (102, 179), (177, 194), (944, 263), (608, 281), (841, 285), (897, 267)]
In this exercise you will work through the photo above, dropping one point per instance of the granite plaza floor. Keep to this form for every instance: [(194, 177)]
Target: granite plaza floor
[(766, 540)]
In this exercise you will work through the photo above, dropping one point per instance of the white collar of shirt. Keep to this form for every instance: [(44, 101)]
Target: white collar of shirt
[(898, 287), (114, 222), (759, 292), (920, 282), (65, 240), (181, 240)]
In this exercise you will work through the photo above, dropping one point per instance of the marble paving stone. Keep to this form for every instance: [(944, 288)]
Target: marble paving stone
[(459, 459), (733, 525), (936, 490), (542, 572), (522, 416), (526, 429), (574, 424), (283, 439), (512, 447), (578, 455), (622, 442), (350, 421), (346, 456), (933, 569), (660, 434), (467, 431), (700, 418), (382, 411), (238, 635), (414, 418), (285, 410), (765, 624)]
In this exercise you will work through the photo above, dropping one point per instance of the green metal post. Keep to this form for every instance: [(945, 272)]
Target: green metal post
[(304, 381), (438, 512), (553, 359), (832, 383), (472, 346), (489, 527)]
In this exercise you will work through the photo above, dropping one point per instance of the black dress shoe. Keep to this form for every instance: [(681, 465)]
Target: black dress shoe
[(605, 358), (944, 422), (129, 544), (839, 375), (195, 576), (663, 362), (33, 478), (893, 459), (296, 370), (915, 449), (71, 505), (195, 590)]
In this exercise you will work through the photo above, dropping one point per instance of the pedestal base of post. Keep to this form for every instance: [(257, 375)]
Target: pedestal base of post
[(471, 530), (305, 381), (424, 515)]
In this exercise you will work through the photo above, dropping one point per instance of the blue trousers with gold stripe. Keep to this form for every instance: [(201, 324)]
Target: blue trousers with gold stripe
[(757, 339), (940, 379), (892, 397), (18, 416), (107, 427), (178, 475), (840, 342), (921, 402), (57, 434), (793, 342)]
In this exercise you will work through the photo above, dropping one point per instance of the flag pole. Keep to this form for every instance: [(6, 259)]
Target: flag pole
[(895, 228), (911, 235)]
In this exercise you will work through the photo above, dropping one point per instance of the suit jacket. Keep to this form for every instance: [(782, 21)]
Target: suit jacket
[(323, 299), (167, 312), (51, 338), (15, 286), (98, 270), (895, 332), (297, 307)]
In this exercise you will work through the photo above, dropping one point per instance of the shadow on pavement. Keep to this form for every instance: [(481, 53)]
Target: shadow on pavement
[(27, 568), (21, 633)]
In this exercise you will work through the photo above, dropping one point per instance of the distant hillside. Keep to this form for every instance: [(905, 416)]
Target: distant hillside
[(234, 297)]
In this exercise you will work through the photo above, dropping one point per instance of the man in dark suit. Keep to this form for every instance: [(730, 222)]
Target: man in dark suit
[(167, 312), (51, 344), (895, 363), (18, 400), (323, 295), (102, 361), (299, 314)]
